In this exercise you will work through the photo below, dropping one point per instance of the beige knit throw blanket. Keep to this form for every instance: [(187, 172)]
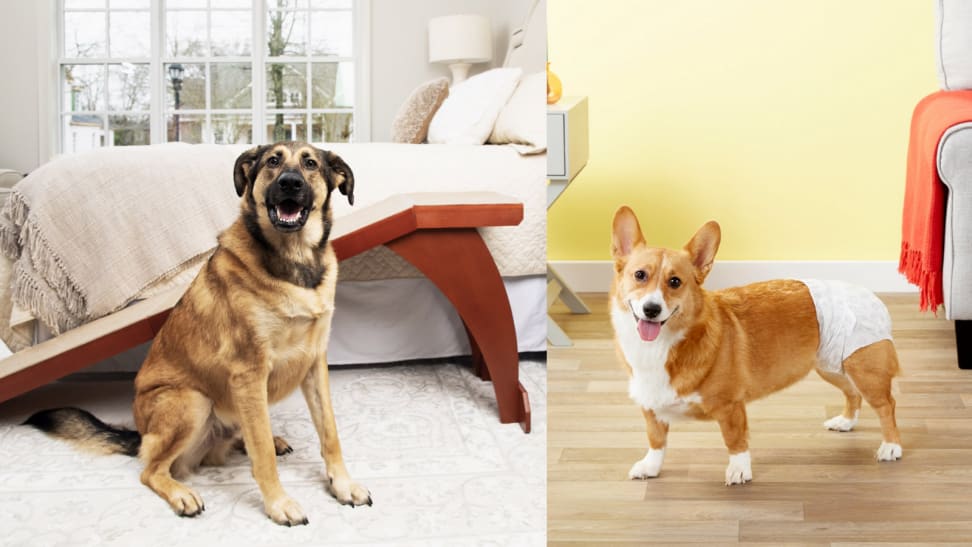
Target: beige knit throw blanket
[(156, 209)]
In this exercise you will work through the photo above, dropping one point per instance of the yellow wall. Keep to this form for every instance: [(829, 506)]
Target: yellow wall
[(787, 121)]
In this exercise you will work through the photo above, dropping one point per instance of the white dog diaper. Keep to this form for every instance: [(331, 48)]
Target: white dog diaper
[(849, 317)]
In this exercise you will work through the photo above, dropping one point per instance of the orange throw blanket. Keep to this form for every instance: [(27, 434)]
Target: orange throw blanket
[(923, 223)]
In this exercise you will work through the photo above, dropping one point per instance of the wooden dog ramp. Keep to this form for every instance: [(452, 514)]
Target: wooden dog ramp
[(436, 232)]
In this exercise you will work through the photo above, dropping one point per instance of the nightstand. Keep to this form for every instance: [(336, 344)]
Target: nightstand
[(567, 152), (567, 147)]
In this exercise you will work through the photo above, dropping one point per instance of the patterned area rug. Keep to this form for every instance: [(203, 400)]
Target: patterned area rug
[(424, 439)]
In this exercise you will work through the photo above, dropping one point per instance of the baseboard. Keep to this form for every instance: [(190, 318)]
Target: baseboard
[(876, 275)]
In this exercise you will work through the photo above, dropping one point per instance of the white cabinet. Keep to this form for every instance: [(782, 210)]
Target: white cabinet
[(566, 156), (566, 138)]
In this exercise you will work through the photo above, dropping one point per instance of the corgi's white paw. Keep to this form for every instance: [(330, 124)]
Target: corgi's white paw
[(740, 469), (648, 467), (841, 422), (888, 452)]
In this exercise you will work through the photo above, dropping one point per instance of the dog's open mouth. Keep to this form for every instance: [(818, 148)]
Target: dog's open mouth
[(649, 330), (288, 215)]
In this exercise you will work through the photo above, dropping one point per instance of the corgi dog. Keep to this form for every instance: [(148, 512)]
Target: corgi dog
[(693, 353)]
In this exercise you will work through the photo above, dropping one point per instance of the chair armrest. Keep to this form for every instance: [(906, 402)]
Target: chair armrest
[(955, 171)]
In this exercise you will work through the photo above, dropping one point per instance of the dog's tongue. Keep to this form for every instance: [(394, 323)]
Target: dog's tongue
[(288, 211), (648, 330)]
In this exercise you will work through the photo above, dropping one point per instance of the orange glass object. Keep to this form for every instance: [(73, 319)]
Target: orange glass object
[(554, 88)]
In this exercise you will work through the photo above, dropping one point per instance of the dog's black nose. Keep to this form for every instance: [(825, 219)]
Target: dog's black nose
[(290, 182), (651, 310)]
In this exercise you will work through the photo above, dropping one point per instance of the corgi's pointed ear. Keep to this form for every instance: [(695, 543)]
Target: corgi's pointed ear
[(627, 233), (702, 248)]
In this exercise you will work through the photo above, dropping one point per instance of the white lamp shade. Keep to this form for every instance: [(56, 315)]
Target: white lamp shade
[(460, 39)]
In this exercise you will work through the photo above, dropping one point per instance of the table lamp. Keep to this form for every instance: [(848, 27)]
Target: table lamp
[(460, 41)]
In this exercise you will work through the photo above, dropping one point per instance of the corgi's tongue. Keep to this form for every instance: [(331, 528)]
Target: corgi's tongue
[(648, 330)]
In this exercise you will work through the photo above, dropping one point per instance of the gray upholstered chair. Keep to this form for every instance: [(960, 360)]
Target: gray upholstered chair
[(954, 51)]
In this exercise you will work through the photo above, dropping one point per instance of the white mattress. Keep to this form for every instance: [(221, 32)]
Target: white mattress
[(399, 320)]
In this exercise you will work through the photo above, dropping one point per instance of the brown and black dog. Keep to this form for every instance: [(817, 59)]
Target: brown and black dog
[(251, 327)]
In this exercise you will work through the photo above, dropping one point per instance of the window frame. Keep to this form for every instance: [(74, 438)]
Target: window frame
[(51, 46)]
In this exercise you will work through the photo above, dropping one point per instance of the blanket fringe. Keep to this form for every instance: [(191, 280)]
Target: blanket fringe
[(42, 285), (48, 266), (928, 281), (12, 216), (30, 292)]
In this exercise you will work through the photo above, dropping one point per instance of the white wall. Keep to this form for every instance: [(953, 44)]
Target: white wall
[(399, 48), (19, 96), (399, 62)]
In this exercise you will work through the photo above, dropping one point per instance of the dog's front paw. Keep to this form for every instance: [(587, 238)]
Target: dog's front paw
[(648, 467), (284, 510), (349, 492), (740, 469), (888, 452), (841, 423), (185, 502)]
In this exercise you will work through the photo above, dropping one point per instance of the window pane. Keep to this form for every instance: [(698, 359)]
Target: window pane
[(129, 129), (231, 33), (332, 127), (185, 34), (287, 4), (184, 128), (232, 129), (130, 4), (286, 85), (287, 127), (128, 33), (192, 87), (232, 85), (84, 34), (185, 4), (331, 33), (232, 3), (80, 4), (286, 33), (83, 87), (344, 4), (332, 85), (128, 87), (82, 132)]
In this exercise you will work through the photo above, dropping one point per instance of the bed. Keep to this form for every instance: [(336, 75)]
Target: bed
[(378, 288), (404, 315)]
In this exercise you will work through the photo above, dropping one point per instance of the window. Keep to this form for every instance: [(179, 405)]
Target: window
[(215, 71)]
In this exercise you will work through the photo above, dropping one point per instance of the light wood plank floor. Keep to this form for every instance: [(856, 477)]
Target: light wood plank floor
[(811, 486)]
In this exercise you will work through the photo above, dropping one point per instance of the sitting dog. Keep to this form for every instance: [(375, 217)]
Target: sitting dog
[(700, 354), (251, 327)]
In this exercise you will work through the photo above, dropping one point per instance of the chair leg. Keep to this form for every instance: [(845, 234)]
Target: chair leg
[(458, 262), (963, 343)]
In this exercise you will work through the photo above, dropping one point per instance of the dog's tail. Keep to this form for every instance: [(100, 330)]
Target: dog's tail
[(83, 430)]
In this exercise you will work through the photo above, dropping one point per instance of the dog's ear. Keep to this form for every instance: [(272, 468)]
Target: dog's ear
[(243, 170), (335, 170), (703, 247), (627, 234)]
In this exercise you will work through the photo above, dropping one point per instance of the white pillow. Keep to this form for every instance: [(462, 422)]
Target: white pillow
[(953, 43), (469, 112), (522, 121)]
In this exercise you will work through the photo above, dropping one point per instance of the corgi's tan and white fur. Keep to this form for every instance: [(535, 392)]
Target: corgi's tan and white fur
[(693, 353)]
